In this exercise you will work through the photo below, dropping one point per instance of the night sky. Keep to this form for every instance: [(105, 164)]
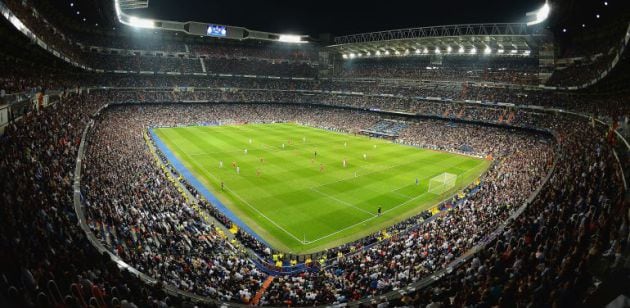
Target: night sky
[(338, 17)]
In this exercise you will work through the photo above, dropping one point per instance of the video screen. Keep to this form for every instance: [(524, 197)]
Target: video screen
[(216, 30)]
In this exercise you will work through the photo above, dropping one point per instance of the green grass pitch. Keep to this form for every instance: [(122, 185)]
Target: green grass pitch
[(302, 203)]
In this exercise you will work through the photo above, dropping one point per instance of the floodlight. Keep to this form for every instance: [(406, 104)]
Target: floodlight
[(449, 49), (387, 52), (417, 51), (426, 50), (500, 51), (368, 54), (351, 55), (378, 52), (527, 52), (288, 38), (597, 15), (514, 51), (488, 50), (141, 23), (473, 51), (461, 49), (437, 50), (541, 15), (397, 52)]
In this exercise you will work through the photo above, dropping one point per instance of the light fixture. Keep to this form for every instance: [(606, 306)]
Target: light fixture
[(461, 49), (488, 50), (141, 23), (449, 49), (288, 38), (473, 51), (540, 15)]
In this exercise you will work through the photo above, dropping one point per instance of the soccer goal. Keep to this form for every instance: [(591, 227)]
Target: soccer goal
[(442, 183)]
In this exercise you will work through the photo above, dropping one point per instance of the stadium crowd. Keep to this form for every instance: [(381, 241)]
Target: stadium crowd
[(516, 70), (546, 256), (153, 245)]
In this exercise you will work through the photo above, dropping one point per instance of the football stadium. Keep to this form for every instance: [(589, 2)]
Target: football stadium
[(323, 154)]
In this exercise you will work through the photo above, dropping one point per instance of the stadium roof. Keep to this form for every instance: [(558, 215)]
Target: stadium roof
[(504, 38)]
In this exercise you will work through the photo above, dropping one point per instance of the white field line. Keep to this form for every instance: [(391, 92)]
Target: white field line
[(237, 195), (265, 216), (366, 220), (342, 202)]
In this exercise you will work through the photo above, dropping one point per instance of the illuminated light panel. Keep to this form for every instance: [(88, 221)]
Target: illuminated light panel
[(288, 38), (541, 14), (141, 23)]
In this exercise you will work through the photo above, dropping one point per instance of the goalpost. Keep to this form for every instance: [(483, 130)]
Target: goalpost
[(442, 183)]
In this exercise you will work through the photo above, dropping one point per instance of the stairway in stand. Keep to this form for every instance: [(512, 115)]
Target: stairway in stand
[(262, 290)]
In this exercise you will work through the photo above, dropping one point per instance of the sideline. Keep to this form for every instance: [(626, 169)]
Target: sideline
[(192, 180)]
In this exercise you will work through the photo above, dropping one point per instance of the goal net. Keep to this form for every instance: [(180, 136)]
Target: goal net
[(442, 183)]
